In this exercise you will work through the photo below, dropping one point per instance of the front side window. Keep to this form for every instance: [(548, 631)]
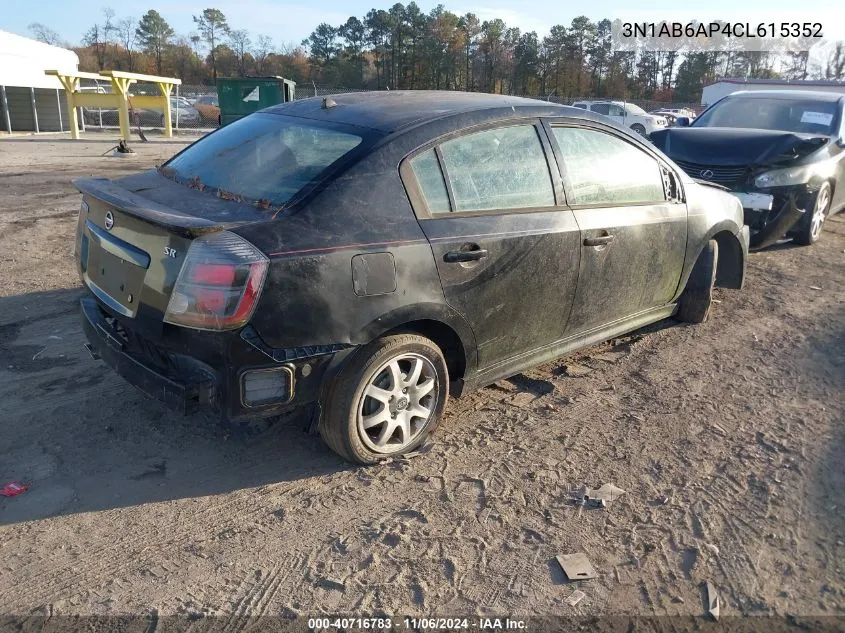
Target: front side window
[(616, 110), (606, 170), (503, 168), (601, 108)]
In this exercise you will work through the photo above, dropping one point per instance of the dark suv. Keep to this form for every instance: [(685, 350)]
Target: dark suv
[(364, 253)]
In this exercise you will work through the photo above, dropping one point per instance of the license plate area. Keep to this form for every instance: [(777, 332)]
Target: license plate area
[(114, 280), (758, 201)]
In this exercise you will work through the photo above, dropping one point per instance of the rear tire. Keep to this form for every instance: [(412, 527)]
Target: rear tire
[(694, 304), (387, 399), (811, 226)]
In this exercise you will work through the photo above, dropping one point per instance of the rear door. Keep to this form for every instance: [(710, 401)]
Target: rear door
[(506, 248), (633, 222)]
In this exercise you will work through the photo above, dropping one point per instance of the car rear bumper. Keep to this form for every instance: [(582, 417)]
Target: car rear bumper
[(185, 393), (171, 372)]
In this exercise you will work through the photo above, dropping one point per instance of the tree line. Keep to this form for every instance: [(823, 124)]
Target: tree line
[(405, 48)]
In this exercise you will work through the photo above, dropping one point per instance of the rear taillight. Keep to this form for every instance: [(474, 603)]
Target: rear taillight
[(219, 283)]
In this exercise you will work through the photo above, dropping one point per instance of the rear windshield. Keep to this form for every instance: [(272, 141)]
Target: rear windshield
[(803, 116), (262, 158)]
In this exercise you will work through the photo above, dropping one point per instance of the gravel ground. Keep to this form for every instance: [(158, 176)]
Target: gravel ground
[(727, 438)]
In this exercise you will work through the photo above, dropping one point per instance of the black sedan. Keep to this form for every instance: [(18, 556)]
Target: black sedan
[(781, 152), (368, 254)]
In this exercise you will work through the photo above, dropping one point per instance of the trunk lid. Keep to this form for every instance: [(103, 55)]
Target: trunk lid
[(135, 234)]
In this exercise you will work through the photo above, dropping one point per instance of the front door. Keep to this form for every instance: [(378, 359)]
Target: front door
[(633, 224), (506, 251)]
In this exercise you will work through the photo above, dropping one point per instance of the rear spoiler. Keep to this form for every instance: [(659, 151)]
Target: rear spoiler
[(156, 214)]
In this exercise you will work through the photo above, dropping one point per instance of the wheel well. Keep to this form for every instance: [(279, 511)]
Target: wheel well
[(730, 266), (445, 338)]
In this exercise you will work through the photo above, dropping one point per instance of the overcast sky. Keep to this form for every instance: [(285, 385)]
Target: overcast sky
[(291, 22)]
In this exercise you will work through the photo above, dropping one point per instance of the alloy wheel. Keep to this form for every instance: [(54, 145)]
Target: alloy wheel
[(397, 403), (819, 211)]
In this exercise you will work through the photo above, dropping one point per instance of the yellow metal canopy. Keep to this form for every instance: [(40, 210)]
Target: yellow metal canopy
[(119, 97)]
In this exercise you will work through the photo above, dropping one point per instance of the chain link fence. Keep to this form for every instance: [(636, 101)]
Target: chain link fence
[(194, 110)]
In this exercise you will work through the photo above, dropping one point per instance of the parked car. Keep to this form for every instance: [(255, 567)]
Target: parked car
[(625, 114), (666, 114), (782, 153), (93, 115), (208, 107), (187, 115), (364, 254), (180, 110)]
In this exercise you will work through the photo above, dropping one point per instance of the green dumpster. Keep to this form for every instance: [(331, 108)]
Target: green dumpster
[(239, 96)]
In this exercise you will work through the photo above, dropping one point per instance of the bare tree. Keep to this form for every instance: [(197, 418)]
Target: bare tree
[(46, 35), (262, 49), (240, 42), (127, 32), (109, 30)]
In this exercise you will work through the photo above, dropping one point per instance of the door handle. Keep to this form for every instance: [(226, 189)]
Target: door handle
[(465, 256), (598, 241)]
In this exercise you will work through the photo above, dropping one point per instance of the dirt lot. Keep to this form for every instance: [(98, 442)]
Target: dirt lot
[(728, 438)]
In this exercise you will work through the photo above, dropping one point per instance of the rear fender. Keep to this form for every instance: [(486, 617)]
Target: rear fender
[(405, 316)]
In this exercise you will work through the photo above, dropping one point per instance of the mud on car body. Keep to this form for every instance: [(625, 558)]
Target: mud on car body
[(370, 254), (781, 152)]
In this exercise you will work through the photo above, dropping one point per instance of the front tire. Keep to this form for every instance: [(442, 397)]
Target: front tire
[(694, 304), (639, 129), (387, 399), (811, 227)]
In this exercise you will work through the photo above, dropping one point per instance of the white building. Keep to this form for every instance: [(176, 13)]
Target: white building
[(30, 101), (723, 87)]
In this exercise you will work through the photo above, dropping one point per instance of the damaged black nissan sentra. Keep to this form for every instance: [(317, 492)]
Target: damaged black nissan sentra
[(367, 255), (782, 152)]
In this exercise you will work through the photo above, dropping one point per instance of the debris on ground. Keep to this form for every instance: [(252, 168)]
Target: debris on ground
[(575, 371), (597, 497), (13, 489), (712, 548), (522, 399), (610, 357), (576, 566), (719, 429), (712, 600), (576, 597), (814, 288)]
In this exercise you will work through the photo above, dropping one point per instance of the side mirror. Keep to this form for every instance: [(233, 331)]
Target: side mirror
[(682, 121)]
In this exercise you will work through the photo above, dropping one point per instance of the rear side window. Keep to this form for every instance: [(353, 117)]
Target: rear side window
[(262, 157), (426, 168), (606, 170), (503, 168), (583, 106)]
